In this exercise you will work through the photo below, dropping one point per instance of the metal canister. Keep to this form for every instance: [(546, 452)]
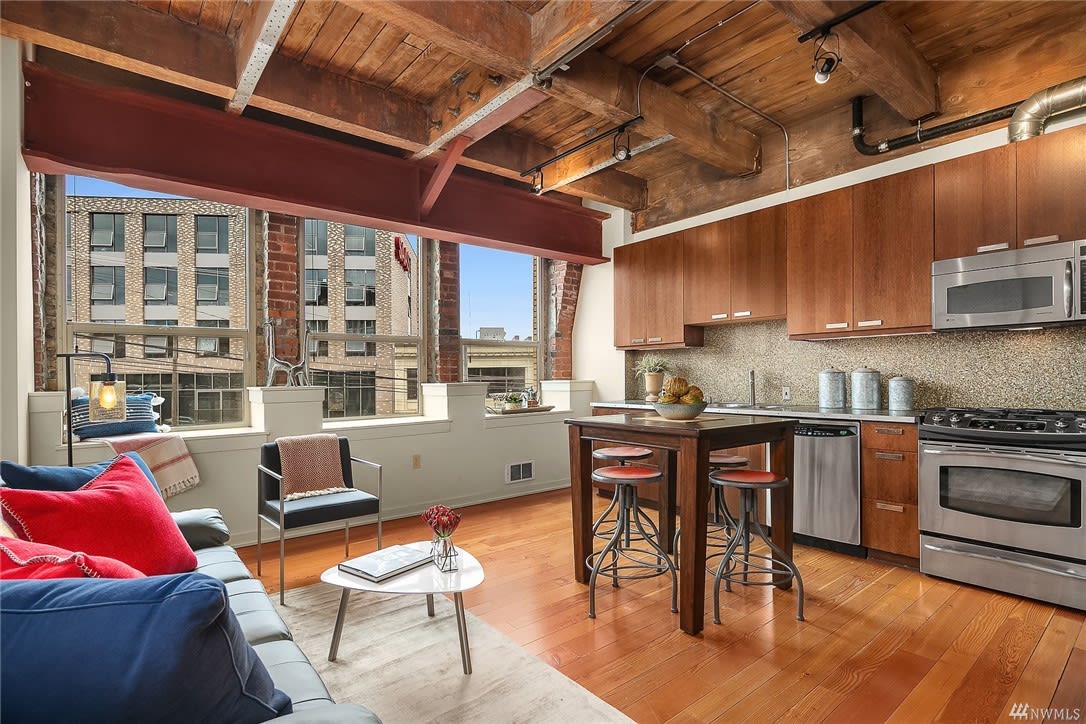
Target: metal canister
[(900, 393), (865, 389), (831, 388)]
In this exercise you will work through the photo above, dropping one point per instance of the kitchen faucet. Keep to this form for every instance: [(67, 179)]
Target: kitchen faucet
[(752, 388)]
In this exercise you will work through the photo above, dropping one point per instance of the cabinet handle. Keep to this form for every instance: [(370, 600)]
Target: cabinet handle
[(870, 323), (638, 340), (891, 508), (992, 247), (656, 339), (837, 325), (742, 314), (1041, 240), (722, 315), (890, 430), (897, 457)]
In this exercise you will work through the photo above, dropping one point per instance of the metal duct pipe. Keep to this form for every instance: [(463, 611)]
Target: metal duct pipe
[(921, 134), (1030, 118)]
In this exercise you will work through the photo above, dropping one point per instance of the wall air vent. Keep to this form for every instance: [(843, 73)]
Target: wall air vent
[(520, 472)]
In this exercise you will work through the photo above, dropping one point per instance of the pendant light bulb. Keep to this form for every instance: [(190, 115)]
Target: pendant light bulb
[(107, 396), (824, 70)]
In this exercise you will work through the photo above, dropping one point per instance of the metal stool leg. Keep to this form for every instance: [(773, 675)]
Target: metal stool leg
[(786, 560), (740, 533), (653, 541), (596, 565)]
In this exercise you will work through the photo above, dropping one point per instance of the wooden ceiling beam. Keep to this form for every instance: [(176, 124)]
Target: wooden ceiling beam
[(614, 187), (876, 49), (606, 88), (560, 26), (257, 37), (595, 158)]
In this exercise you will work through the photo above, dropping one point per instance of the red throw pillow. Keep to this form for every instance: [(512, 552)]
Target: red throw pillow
[(24, 559), (117, 515)]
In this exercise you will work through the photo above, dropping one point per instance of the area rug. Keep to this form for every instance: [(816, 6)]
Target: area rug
[(406, 666)]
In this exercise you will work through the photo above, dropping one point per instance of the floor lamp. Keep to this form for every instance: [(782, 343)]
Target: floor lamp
[(107, 391)]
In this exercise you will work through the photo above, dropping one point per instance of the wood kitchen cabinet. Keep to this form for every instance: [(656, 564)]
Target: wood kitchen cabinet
[(888, 480), (649, 295), (759, 276), (975, 203), (707, 276), (1051, 179), (820, 264)]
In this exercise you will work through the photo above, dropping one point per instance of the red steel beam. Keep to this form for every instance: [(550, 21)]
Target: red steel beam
[(162, 144), (441, 174)]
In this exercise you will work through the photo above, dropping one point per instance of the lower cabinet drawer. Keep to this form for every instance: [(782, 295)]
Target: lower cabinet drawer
[(891, 527)]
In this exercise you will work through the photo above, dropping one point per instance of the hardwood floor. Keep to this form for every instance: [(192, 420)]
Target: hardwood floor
[(880, 643)]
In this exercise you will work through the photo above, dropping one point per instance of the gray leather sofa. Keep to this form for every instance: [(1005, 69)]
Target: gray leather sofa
[(264, 629)]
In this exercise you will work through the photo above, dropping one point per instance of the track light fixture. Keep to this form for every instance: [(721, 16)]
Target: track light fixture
[(620, 148), (826, 60)]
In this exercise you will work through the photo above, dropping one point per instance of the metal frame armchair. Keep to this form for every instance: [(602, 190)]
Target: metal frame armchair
[(327, 508)]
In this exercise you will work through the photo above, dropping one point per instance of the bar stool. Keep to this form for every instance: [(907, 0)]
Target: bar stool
[(622, 454), (634, 552), (750, 483), (721, 523)]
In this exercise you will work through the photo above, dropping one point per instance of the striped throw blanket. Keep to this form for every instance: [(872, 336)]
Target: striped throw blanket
[(166, 454), (310, 465)]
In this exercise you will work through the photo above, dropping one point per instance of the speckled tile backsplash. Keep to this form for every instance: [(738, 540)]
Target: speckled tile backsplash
[(1041, 368)]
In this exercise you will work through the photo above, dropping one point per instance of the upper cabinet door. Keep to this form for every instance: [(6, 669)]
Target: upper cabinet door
[(975, 203), (708, 273), (759, 269), (820, 264), (1052, 187), (662, 289), (629, 319), (894, 247)]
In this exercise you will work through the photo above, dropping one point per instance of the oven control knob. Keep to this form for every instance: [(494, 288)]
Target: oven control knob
[(1062, 425), (955, 418), (937, 418)]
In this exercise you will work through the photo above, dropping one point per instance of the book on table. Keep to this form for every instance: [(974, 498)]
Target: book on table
[(387, 562)]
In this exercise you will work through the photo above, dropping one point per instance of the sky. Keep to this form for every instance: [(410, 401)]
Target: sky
[(495, 286)]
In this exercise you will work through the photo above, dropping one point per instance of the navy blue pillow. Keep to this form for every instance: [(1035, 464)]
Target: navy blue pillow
[(139, 416), (61, 478), (162, 649)]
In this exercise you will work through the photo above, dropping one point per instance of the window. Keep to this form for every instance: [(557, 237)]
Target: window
[(159, 286), (317, 347), (350, 394), (213, 346), (159, 345), (364, 327), (213, 234), (316, 287), (107, 232), (499, 379), (360, 287), (412, 383), (111, 344), (160, 232), (210, 398), (107, 285), (212, 286), (359, 241), (316, 237)]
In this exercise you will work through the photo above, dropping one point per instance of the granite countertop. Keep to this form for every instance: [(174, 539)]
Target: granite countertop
[(785, 410)]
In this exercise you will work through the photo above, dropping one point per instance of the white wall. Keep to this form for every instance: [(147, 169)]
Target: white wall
[(463, 452), (16, 280)]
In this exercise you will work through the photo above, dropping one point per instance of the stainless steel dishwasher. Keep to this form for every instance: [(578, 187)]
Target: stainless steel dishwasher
[(826, 488)]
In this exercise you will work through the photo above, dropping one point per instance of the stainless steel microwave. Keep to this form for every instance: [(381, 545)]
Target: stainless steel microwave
[(1040, 285)]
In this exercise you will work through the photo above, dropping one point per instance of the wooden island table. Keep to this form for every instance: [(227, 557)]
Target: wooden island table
[(687, 479)]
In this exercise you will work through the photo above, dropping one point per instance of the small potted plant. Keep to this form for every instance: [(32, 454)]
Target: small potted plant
[(513, 400), (652, 367)]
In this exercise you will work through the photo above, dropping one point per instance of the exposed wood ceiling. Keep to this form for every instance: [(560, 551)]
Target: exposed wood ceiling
[(422, 78)]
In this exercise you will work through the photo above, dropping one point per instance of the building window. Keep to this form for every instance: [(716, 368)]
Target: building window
[(360, 288), (359, 240), (316, 287), (159, 345), (350, 394), (212, 286), (160, 232), (212, 234), (107, 232), (111, 344), (412, 383), (499, 379), (159, 286), (107, 285), (366, 327), (316, 237), (209, 398), (213, 346), (317, 347)]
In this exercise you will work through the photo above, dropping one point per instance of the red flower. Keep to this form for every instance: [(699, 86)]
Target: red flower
[(442, 519)]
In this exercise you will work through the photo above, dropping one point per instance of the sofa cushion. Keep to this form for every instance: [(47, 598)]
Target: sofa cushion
[(62, 477), (292, 673), (202, 527), (258, 618), (221, 562), (22, 559), (115, 515), (139, 416), (163, 649)]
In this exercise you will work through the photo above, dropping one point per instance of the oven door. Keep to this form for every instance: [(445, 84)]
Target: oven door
[(1028, 500), (1035, 293)]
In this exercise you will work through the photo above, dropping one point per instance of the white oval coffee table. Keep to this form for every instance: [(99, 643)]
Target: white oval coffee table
[(426, 581)]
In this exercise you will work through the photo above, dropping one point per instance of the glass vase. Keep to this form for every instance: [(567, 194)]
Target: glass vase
[(444, 553)]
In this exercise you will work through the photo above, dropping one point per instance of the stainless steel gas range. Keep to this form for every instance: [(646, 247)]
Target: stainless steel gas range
[(1001, 500)]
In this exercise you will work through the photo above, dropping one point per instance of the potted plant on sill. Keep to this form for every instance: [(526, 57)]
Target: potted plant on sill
[(513, 400), (652, 367)]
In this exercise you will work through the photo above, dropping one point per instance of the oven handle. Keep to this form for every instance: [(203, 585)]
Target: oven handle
[(1012, 561), (1068, 290), (1010, 456)]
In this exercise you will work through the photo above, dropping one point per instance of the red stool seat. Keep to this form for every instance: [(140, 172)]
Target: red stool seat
[(748, 478), (622, 452), (626, 474), (721, 459)]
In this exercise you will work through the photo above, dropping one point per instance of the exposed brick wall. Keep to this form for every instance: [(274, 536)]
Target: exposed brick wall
[(42, 254), (282, 277), (564, 280), (446, 304)]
